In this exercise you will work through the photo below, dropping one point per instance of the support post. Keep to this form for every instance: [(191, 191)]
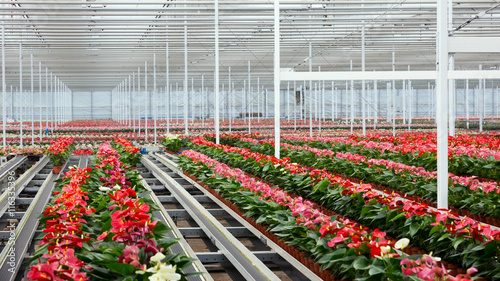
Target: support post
[(276, 78), (217, 93), (442, 105)]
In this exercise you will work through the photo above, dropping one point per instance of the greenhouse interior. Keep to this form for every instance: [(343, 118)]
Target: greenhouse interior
[(256, 140)]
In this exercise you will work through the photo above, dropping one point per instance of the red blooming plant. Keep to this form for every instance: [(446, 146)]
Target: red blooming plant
[(60, 150), (129, 154), (64, 231)]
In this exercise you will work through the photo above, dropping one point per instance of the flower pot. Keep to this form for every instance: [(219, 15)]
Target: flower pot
[(57, 169)]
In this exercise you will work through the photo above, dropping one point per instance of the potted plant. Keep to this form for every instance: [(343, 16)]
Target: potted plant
[(59, 151)]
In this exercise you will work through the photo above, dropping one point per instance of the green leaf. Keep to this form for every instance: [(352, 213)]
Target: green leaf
[(414, 227), (361, 263), (444, 236), (121, 268), (434, 229), (375, 270), (161, 229)]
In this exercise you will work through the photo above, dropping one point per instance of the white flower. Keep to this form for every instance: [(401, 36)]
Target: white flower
[(103, 188), (163, 273), (385, 249), (157, 257), (402, 243), (117, 187)]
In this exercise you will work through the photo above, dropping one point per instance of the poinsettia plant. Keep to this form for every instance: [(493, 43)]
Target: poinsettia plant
[(60, 150)]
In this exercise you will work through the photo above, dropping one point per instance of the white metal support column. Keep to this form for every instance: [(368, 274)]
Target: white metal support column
[(52, 102), (466, 94), (276, 78), (375, 94), (154, 104), (442, 104), (481, 101), (46, 97), (217, 58), (451, 82), (451, 97), (4, 107), (40, 94), (146, 99), (186, 99), (363, 84), (230, 98), (310, 93), (130, 111), (20, 93), (352, 103), (132, 101), (249, 100), (32, 104), (167, 78), (138, 91)]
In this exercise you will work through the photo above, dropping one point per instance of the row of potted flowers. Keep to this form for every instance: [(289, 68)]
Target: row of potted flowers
[(385, 211), (470, 155), (101, 219), (346, 248), (464, 193), (467, 160)]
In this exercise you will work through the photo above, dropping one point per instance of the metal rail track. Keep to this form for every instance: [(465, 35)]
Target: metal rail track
[(226, 244), (18, 216), (11, 165)]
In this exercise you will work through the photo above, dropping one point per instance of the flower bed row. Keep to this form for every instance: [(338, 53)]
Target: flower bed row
[(386, 212), (100, 227), (343, 247), (464, 192), (469, 155)]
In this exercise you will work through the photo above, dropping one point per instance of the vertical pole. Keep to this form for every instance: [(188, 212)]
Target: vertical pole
[(442, 105), (346, 103), (217, 94), (146, 99), (481, 102), (139, 90), (192, 100), (375, 94), (323, 111), (32, 103), (393, 93), (167, 86), (258, 101), (154, 95), (333, 101), (230, 96), (288, 101), (132, 101), (186, 93), (52, 102), (393, 108), (295, 104), (249, 100), (466, 94), (46, 97), (202, 98), (20, 93), (276, 78), (130, 111), (310, 93), (352, 104), (429, 99), (451, 97), (40, 94), (363, 84), (4, 113)]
